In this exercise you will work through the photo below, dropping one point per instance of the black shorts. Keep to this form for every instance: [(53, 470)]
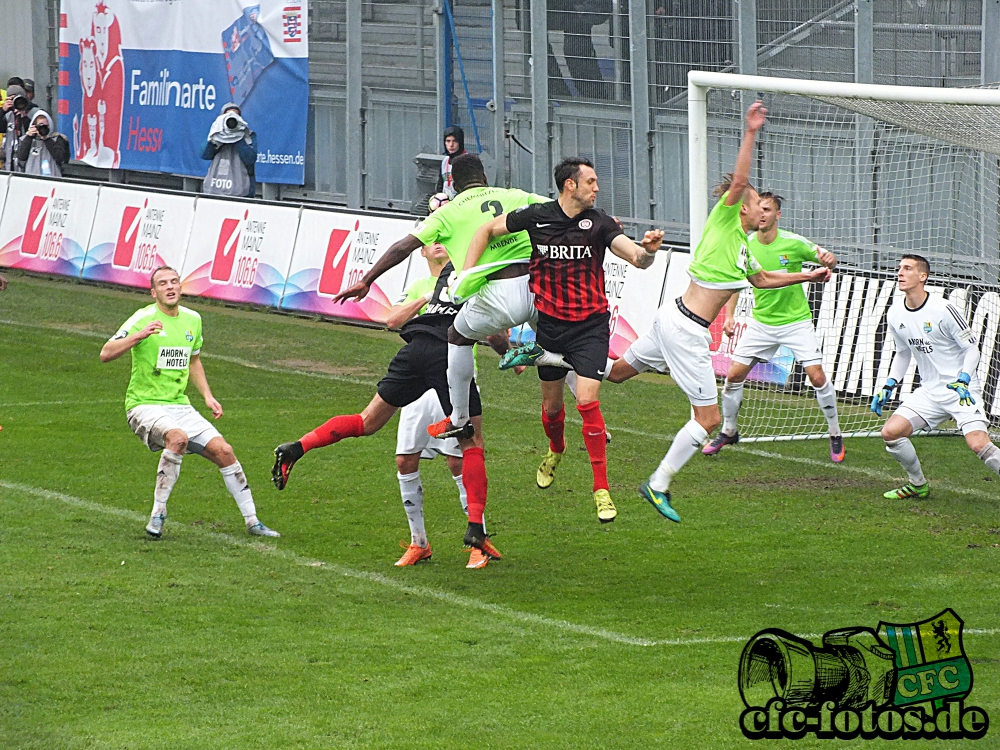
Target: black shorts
[(584, 344), (419, 366)]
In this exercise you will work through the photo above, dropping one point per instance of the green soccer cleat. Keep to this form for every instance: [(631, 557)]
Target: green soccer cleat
[(521, 356), (659, 500), (546, 474), (908, 490)]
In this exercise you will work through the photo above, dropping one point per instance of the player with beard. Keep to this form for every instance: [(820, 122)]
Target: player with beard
[(569, 238)]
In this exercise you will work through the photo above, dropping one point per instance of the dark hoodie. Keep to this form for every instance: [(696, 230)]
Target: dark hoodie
[(445, 183)]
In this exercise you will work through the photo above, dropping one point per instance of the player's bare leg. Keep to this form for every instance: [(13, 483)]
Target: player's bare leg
[(827, 399), (732, 399), (175, 443), (374, 417), (896, 434), (220, 453)]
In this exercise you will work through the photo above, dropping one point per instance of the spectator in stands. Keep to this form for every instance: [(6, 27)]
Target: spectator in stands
[(577, 19), (689, 35), (43, 151), (29, 89), (454, 145), (18, 116), (231, 146)]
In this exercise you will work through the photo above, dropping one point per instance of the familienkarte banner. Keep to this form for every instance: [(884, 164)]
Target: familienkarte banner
[(46, 225), (333, 252), (141, 81), (239, 251), (136, 232)]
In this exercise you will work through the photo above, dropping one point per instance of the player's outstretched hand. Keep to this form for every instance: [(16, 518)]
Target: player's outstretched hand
[(961, 387), (652, 240), (756, 116), (883, 396), (3, 282), (820, 275), (153, 327), (729, 326), (826, 258), (358, 291), (215, 406)]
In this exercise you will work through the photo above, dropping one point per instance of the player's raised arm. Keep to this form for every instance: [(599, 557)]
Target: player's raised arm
[(400, 314), (482, 238), (777, 280), (755, 119), (116, 347), (398, 252), (639, 255)]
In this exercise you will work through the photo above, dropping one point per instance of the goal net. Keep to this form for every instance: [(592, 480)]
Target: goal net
[(869, 173)]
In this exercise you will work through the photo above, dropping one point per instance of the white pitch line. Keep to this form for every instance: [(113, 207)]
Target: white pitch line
[(447, 597)]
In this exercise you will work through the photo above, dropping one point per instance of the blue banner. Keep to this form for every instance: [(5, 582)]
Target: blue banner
[(141, 82)]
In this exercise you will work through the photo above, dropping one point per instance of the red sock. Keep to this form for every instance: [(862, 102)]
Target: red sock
[(474, 479), (555, 428), (596, 440), (333, 431)]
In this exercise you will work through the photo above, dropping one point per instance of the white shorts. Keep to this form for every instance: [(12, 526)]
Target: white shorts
[(934, 407), (411, 435), (501, 304), (151, 423), (760, 343), (678, 345)]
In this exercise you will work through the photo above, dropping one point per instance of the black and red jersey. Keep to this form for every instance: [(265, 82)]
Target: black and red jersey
[(567, 258)]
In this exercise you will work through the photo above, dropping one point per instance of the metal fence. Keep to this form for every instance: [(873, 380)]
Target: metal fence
[(386, 77)]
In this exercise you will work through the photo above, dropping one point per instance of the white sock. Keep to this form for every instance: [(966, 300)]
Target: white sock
[(236, 483), (607, 368), (990, 456), (412, 493), (463, 496), (903, 451), (827, 399), (571, 381), (166, 477), (461, 371), (732, 399), (551, 359), (686, 443)]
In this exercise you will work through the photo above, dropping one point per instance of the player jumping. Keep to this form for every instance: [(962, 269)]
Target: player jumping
[(165, 340), (781, 317), (679, 339), (937, 335), (569, 238), (416, 368)]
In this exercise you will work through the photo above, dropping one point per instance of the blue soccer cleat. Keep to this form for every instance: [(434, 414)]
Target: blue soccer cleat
[(521, 356), (659, 500)]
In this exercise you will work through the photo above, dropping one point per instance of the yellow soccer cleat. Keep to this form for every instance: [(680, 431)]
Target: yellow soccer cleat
[(606, 511), (546, 474)]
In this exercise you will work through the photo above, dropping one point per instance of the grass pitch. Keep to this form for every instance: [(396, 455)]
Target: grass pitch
[(626, 635)]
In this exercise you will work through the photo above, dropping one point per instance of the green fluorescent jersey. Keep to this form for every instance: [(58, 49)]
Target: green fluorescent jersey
[(721, 260), (160, 363), (454, 224), (417, 289), (778, 307)]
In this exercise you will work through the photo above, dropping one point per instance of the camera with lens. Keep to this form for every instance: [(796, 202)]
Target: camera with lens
[(232, 123), (42, 129), (852, 668), (21, 103)]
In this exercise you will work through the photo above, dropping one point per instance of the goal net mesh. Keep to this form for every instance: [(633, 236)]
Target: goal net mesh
[(869, 181)]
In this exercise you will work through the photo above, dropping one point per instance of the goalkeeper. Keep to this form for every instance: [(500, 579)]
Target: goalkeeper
[(936, 334), (781, 317)]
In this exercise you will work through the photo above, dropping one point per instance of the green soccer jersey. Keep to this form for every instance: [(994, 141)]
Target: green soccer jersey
[(416, 290), (778, 307), (160, 363), (454, 224), (721, 259)]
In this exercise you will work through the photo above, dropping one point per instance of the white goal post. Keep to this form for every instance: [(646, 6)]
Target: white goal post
[(869, 172)]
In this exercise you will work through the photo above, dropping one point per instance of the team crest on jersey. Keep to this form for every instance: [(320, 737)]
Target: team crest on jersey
[(927, 326), (585, 224), (543, 250), (783, 260), (188, 335)]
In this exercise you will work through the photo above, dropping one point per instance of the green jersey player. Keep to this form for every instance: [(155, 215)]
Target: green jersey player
[(165, 340), (781, 317), (679, 339)]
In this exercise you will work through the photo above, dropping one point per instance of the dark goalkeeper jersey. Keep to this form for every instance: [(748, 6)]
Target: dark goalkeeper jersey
[(567, 258)]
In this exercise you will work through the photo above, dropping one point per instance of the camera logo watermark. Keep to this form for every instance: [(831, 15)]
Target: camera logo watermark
[(901, 681)]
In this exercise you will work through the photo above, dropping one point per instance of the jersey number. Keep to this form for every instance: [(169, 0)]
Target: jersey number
[(493, 206)]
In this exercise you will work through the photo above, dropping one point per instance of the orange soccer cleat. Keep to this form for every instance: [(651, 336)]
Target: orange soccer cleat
[(478, 559), (414, 554)]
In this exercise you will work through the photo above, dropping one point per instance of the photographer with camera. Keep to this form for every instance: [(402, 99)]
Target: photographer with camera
[(232, 148), (42, 151), (19, 113)]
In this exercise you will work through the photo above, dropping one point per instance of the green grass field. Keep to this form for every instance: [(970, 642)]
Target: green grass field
[(619, 636)]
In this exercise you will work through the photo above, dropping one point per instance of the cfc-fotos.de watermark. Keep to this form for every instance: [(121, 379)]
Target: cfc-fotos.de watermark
[(899, 681)]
